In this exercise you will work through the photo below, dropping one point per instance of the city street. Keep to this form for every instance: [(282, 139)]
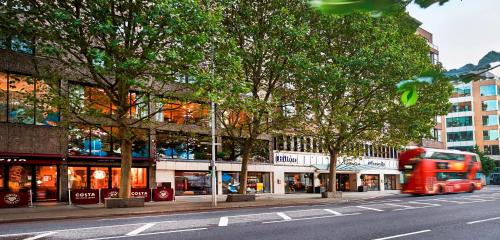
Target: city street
[(454, 216)]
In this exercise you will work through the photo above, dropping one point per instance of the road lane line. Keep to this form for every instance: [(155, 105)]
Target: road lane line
[(223, 221), (450, 201), (310, 218), (140, 229), (152, 233), (484, 220), (163, 215), (398, 205), (369, 208), (284, 216), (41, 236), (403, 235), (333, 212), (431, 204)]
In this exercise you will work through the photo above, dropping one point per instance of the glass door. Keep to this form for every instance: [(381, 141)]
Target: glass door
[(46, 183)]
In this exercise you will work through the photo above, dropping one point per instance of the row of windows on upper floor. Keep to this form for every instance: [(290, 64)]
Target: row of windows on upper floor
[(485, 90), (463, 136), (466, 121), (488, 149), (24, 99), (312, 145), (488, 105)]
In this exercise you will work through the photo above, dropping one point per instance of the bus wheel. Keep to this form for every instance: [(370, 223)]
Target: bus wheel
[(471, 189)]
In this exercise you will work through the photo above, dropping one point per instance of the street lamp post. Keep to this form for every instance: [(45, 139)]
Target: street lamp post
[(212, 162)]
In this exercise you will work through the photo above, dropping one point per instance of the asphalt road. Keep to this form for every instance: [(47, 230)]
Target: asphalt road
[(454, 216)]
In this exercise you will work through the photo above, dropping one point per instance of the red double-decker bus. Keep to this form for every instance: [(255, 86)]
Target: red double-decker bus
[(436, 171)]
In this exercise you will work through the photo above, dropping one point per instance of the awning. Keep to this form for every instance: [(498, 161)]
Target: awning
[(348, 167)]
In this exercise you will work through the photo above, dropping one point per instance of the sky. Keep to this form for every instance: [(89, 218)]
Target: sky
[(463, 30)]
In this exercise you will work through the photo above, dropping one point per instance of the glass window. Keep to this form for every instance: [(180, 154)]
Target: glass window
[(140, 145), (372, 182), (298, 182), (390, 182), (490, 120), (459, 121), (460, 136), (491, 150), (46, 114), (461, 107), (77, 177), (490, 135), (489, 105), (21, 99), (2, 177), (257, 182), (463, 148), (488, 90), (463, 91), (138, 177), (96, 100), (99, 177), (79, 140), (3, 97), (175, 145), (46, 182), (192, 183), (21, 45), (139, 105), (115, 177), (20, 177), (443, 176)]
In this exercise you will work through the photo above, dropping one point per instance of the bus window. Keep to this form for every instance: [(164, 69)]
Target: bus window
[(443, 156), (444, 176)]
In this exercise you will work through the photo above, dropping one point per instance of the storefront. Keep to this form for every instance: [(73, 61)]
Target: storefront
[(192, 183), (257, 182), (343, 181), (371, 181), (390, 182), (104, 177), (299, 182), (38, 174)]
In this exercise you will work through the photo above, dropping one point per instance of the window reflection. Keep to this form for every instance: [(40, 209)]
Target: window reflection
[(175, 145), (21, 99), (77, 177), (138, 177), (20, 177), (175, 111), (99, 177), (3, 97)]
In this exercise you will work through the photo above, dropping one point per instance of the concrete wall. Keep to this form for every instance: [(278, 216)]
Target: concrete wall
[(32, 139)]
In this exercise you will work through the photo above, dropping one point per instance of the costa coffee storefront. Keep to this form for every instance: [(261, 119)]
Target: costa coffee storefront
[(22, 175)]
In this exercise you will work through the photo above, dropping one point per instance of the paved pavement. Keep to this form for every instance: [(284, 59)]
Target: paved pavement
[(454, 216), (53, 211)]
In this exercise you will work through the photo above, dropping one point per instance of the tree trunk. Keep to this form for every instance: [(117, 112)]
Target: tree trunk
[(332, 186), (126, 162), (247, 149)]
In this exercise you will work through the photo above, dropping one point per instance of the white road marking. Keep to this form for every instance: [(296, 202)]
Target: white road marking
[(163, 215), (41, 236), (398, 205), (333, 212), (85, 228), (430, 204), (402, 235), (369, 208), (152, 233), (284, 216), (484, 220), (141, 229), (223, 221), (309, 218), (450, 201)]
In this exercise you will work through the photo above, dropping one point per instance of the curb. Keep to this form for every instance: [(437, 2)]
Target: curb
[(204, 209)]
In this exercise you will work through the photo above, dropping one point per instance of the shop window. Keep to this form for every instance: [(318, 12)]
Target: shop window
[(138, 177), (20, 177), (390, 182), (77, 177), (2, 177), (192, 183), (99, 177), (257, 182), (46, 183), (372, 182), (298, 182)]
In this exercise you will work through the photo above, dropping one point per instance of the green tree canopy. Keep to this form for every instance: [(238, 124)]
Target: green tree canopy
[(347, 95)]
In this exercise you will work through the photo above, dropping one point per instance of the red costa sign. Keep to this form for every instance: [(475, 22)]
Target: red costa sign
[(135, 193), (163, 194), (85, 196), (14, 199)]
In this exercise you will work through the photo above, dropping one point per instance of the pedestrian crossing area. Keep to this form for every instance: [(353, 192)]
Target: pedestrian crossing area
[(174, 225)]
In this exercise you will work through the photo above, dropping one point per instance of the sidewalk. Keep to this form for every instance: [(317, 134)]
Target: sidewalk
[(54, 211)]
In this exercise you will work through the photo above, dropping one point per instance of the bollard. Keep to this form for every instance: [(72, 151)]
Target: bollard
[(100, 196), (31, 199), (69, 195), (151, 196)]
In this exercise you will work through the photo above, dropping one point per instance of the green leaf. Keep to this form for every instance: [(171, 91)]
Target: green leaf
[(410, 96)]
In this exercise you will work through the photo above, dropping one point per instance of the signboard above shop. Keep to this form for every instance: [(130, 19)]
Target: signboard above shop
[(309, 159)]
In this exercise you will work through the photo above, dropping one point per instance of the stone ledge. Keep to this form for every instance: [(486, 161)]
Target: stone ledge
[(331, 195), (123, 202), (240, 198)]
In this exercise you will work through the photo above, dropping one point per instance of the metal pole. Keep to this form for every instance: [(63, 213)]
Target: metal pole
[(212, 163), (31, 198), (69, 195)]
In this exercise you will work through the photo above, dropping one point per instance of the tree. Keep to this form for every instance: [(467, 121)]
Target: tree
[(253, 61), (487, 164), (119, 47), (347, 95)]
